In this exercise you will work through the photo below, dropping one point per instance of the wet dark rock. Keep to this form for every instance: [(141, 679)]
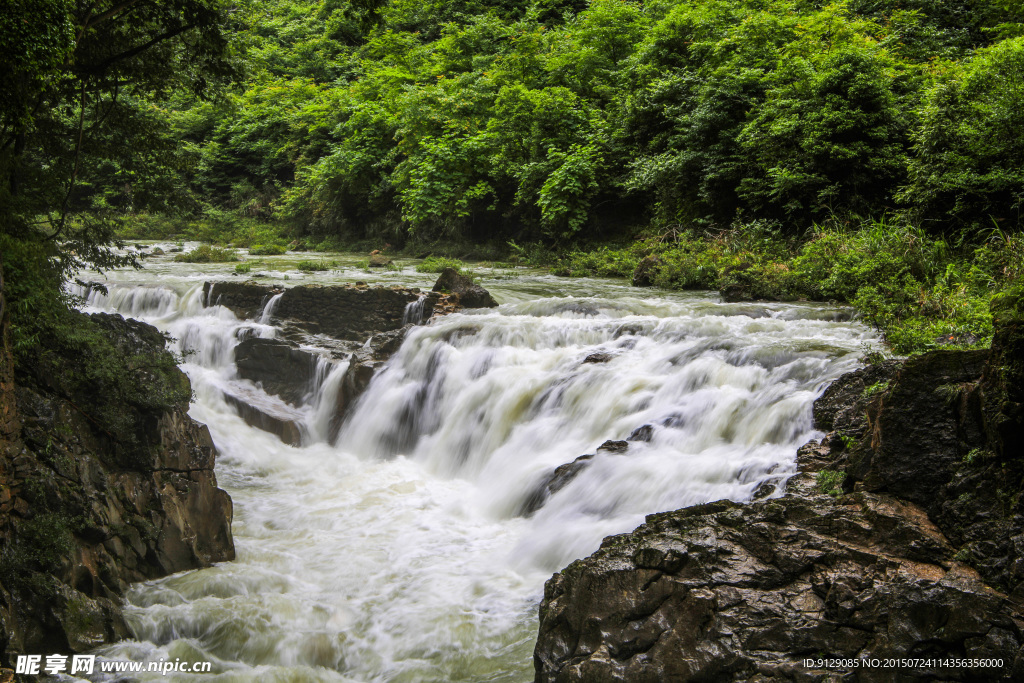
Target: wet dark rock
[(917, 424), (278, 366), (600, 357), (353, 313), (470, 294), (349, 312), (726, 592), (257, 412), (563, 474), (613, 446), (646, 271), (553, 483), (644, 434), (99, 491), (244, 299), (845, 400)]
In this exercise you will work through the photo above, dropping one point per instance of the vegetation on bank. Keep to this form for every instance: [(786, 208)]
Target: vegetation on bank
[(921, 291), (865, 152)]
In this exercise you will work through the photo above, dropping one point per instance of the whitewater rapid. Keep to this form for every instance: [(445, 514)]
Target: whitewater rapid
[(399, 551)]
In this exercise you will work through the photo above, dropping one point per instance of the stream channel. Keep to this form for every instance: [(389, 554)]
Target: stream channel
[(398, 550)]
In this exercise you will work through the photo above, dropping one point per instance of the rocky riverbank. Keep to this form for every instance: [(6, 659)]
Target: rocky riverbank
[(104, 480), (902, 537)]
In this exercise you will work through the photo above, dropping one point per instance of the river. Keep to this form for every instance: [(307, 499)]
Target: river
[(398, 553)]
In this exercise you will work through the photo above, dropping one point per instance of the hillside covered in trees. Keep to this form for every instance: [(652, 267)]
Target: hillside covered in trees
[(576, 120), (865, 151)]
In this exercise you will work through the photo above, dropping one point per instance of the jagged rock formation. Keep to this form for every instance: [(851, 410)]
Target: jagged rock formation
[(98, 490), (903, 536)]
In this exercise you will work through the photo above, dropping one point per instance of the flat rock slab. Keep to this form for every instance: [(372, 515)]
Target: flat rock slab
[(263, 412), (345, 312)]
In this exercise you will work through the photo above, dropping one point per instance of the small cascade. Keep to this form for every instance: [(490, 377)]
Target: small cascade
[(324, 421), (135, 302), (414, 311), (268, 309)]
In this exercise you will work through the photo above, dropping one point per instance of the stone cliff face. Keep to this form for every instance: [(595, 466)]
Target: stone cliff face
[(903, 536), (98, 489)]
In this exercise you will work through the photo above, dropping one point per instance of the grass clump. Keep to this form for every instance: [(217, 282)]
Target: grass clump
[(830, 482), (267, 250), (243, 268), (308, 266), (207, 254), (436, 264)]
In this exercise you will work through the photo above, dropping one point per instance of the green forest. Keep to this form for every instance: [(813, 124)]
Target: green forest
[(865, 152)]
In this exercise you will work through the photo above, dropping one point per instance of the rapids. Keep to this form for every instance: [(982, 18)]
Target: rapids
[(397, 553)]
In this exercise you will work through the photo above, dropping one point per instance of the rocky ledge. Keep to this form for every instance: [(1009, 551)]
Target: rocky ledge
[(104, 480), (356, 324), (350, 312), (902, 537)]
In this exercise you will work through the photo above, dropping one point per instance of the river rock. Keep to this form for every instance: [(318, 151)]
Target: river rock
[(99, 490), (553, 483), (244, 299), (470, 294), (278, 366), (562, 475), (727, 592), (258, 412)]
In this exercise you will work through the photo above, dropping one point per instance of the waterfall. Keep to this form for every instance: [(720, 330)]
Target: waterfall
[(268, 309), (399, 548), (414, 311)]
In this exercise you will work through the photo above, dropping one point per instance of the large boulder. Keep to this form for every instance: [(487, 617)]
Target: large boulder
[(278, 366), (278, 419), (727, 592), (470, 294)]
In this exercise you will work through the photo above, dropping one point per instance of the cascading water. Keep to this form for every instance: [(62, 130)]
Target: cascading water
[(399, 551)]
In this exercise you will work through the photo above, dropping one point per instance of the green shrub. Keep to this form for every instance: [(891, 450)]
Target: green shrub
[(243, 268), (830, 482), (603, 262), (312, 266), (267, 250), (207, 254)]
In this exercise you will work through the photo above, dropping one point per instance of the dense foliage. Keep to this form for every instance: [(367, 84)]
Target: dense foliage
[(568, 121), (850, 133)]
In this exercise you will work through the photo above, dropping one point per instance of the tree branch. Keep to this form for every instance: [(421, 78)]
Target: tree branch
[(128, 54), (74, 173), (109, 14)]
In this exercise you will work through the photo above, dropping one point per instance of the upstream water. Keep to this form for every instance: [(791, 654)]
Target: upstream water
[(397, 553)]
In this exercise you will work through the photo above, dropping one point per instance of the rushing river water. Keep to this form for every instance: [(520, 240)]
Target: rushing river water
[(398, 553)]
